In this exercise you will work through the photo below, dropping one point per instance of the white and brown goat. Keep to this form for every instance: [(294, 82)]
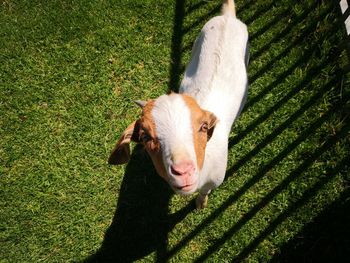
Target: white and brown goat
[(186, 134)]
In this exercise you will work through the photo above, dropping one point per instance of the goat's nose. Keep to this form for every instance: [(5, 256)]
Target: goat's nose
[(182, 168)]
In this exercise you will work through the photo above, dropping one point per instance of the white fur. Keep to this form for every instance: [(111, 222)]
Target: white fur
[(172, 119), (216, 77)]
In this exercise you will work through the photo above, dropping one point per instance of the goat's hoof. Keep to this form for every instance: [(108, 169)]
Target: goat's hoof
[(201, 201)]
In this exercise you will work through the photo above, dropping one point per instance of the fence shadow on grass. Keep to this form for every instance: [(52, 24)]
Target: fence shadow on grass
[(301, 37), (325, 239), (278, 189), (176, 46)]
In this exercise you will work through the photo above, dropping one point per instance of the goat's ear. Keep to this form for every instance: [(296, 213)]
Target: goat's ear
[(212, 121), (121, 152)]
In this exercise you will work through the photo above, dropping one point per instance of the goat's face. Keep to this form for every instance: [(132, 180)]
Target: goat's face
[(174, 131)]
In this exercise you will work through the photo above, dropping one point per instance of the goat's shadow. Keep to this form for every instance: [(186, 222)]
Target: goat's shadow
[(141, 222)]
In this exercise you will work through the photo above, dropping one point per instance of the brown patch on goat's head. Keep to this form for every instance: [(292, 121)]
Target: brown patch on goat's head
[(141, 131), (148, 138), (203, 124)]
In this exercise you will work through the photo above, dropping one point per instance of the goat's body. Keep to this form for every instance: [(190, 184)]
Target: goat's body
[(216, 77), (186, 135)]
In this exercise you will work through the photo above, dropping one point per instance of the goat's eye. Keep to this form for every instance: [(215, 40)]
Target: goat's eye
[(204, 127), (145, 137)]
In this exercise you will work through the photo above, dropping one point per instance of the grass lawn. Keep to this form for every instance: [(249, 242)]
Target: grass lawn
[(69, 73)]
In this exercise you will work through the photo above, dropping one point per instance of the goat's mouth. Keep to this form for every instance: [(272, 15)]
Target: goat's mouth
[(183, 185), (185, 189)]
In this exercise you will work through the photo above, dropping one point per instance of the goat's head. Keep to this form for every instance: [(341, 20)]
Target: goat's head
[(174, 131)]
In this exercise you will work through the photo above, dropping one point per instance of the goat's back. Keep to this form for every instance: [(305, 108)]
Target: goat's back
[(216, 75)]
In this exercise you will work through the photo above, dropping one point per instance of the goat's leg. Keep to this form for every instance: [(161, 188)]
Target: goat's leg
[(202, 200)]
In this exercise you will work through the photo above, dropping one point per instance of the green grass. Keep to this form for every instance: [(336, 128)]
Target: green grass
[(69, 73)]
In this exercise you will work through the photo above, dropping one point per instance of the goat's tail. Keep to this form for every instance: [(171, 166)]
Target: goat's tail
[(228, 6)]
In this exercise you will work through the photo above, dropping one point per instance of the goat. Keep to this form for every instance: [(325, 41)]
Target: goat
[(186, 134)]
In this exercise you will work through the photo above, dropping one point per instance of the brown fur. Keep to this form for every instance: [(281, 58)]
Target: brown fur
[(200, 137), (153, 146), (121, 152)]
